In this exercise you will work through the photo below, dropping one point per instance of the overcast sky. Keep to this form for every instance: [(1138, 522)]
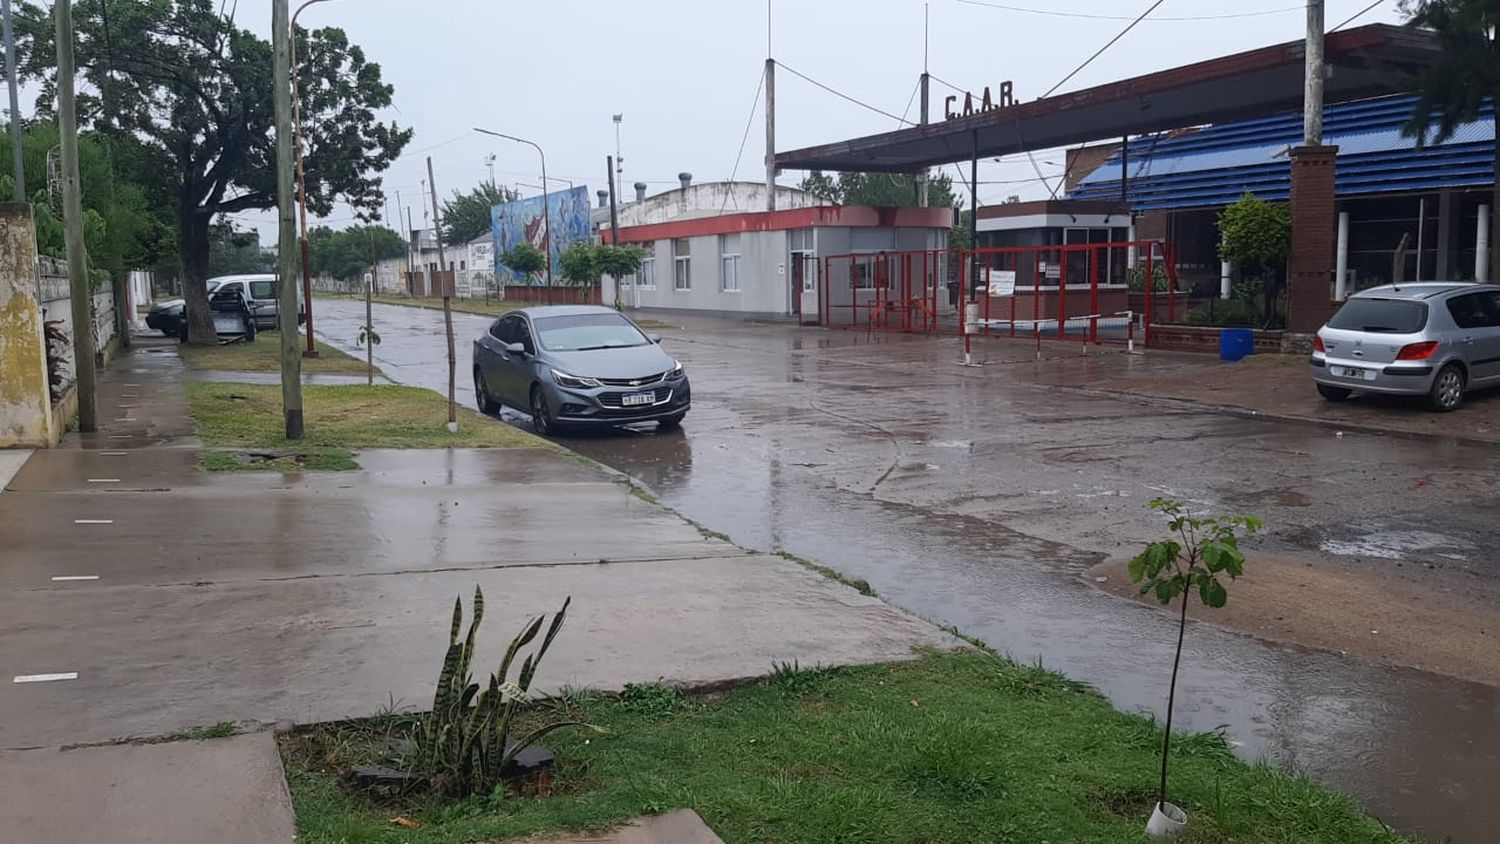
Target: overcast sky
[(684, 74)]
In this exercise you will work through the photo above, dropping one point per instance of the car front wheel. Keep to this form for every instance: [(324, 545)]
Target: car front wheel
[(1334, 393), (541, 416), (1447, 389), (482, 395)]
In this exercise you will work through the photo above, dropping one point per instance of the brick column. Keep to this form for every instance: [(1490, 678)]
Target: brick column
[(1314, 224)]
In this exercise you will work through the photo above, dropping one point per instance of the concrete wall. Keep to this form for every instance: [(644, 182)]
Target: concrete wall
[(25, 406), (764, 283), (710, 199)]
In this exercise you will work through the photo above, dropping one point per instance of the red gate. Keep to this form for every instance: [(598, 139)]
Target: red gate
[(1086, 292)]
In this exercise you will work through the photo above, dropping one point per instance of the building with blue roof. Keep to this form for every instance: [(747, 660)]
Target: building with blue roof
[(1436, 195)]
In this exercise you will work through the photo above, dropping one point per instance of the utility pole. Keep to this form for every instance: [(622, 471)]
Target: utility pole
[(15, 105), (437, 233), (286, 239), (1312, 98), (80, 294), (925, 84), (770, 117), (411, 235), (614, 217)]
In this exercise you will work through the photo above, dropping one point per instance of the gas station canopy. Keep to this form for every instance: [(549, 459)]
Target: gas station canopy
[(1364, 62)]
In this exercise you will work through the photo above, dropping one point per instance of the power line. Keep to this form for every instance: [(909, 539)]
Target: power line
[(910, 100), (1359, 14), (1097, 17), (1100, 51), (843, 95), (749, 121)]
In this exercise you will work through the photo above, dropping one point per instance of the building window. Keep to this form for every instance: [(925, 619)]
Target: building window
[(682, 264), (729, 262), (646, 277)]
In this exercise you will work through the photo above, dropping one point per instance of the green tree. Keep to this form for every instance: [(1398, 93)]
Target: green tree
[(349, 253), (1466, 75), (194, 91), (579, 264), (467, 215), (619, 261), (236, 251), (879, 189), (1257, 236), (525, 260)]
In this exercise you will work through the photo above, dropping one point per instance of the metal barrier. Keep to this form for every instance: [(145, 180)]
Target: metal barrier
[(1085, 292)]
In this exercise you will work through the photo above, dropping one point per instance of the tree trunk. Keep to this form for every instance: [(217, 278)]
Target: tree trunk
[(193, 242)]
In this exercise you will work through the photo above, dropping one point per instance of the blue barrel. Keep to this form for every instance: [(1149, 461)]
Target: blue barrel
[(1235, 343)]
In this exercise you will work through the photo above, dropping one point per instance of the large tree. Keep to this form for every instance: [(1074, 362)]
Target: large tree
[(1465, 78), (195, 90), (467, 215), (349, 253)]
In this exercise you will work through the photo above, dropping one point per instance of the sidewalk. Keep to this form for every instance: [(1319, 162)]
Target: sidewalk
[(190, 598)]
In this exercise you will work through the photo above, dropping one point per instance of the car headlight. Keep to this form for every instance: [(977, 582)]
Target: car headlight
[(676, 372), (565, 380)]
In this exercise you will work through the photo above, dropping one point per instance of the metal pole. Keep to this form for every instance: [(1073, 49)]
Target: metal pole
[(286, 246), (411, 233), (1421, 234), (15, 107), (1482, 246), (1341, 260), (437, 233), (546, 204), (1312, 97), (770, 128), (973, 208), (923, 178), (80, 295), (312, 349)]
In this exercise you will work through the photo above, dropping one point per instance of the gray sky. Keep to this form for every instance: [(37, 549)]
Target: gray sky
[(684, 73)]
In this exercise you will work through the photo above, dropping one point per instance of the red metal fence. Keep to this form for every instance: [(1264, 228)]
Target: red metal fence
[(1087, 292)]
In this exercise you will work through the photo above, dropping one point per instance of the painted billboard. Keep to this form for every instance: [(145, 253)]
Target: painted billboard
[(520, 221)]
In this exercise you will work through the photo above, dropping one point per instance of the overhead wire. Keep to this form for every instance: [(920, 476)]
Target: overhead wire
[(1357, 15), (843, 95), (749, 121), (1100, 17), (1099, 52)]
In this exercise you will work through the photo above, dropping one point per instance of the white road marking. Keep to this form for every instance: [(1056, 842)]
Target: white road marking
[(127, 405), (93, 521), (68, 578), (104, 480), (45, 678), (130, 395), (126, 419), (122, 436), (112, 453), (130, 385)]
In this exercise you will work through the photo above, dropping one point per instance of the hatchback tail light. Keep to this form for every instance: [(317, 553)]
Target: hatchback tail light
[(1318, 344), (1417, 351)]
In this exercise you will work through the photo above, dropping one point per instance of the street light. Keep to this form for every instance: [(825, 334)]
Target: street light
[(546, 206), (312, 350)]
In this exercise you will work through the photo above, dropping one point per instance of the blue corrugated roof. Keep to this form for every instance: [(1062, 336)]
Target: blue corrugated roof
[(1215, 165)]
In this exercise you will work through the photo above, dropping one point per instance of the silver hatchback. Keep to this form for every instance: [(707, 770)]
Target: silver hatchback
[(1435, 339)]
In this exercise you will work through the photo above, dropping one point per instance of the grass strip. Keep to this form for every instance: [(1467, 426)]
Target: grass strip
[(954, 747), (264, 355)]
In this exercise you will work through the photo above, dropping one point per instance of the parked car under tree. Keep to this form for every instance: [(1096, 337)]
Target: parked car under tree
[(1433, 339), (578, 366)]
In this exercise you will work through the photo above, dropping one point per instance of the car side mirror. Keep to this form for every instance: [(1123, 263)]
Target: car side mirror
[(655, 338), (515, 348)]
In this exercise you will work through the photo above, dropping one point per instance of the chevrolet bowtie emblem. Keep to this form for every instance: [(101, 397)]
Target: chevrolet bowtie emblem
[(635, 383)]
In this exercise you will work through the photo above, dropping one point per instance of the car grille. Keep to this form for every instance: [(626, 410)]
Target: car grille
[(616, 400), (633, 382)]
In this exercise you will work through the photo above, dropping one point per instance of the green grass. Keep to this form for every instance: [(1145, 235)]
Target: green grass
[(955, 747), (352, 416), (264, 355), (302, 460)]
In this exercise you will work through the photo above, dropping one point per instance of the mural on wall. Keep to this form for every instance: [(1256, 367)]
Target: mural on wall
[(517, 222)]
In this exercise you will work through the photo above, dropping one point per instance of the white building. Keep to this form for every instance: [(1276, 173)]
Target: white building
[(713, 248)]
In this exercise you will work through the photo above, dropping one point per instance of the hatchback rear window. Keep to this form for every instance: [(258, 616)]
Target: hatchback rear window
[(1381, 316)]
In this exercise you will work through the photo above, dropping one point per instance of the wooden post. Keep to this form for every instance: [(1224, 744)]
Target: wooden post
[(286, 240), (80, 292), (437, 234)]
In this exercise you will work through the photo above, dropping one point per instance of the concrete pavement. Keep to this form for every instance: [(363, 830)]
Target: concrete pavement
[(983, 497), (141, 597)]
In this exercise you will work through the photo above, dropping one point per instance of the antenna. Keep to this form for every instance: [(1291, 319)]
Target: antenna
[(924, 37)]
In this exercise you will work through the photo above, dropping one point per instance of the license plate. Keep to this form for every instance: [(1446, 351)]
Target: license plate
[(1354, 372), (637, 399)]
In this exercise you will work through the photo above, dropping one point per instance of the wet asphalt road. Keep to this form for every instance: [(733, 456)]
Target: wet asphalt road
[(972, 498)]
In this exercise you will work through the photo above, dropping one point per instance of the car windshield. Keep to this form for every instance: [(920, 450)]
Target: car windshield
[(1381, 316), (585, 332)]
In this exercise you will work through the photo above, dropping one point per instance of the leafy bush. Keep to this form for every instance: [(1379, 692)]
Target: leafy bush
[(464, 744), (1135, 279), (524, 260)]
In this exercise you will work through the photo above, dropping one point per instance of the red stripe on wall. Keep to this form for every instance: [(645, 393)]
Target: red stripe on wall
[(859, 216)]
